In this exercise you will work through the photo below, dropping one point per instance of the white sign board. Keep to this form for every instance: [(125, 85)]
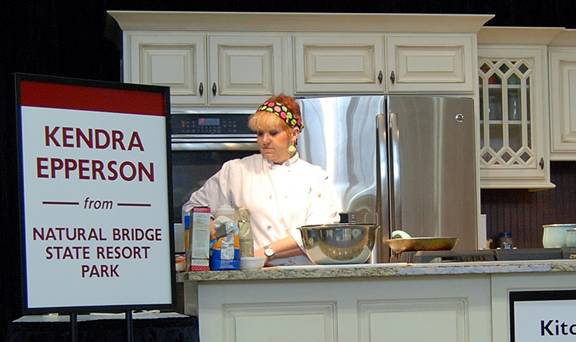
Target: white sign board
[(543, 316), (95, 196)]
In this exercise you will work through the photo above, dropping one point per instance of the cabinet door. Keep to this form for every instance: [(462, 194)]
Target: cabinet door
[(245, 69), (430, 63), (338, 63), (513, 101), (172, 59), (563, 103)]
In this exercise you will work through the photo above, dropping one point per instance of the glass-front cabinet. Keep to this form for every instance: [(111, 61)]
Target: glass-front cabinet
[(513, 112)]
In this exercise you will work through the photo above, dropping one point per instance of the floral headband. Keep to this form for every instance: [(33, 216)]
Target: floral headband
[(283, 112)]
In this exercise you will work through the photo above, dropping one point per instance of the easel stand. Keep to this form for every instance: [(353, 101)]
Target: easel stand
[(129, 326), (74, 326)]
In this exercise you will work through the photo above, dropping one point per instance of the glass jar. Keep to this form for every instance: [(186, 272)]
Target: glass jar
[(505, 240)]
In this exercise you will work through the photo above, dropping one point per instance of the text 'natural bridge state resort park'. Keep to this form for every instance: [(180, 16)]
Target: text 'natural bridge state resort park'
[(101, 252)]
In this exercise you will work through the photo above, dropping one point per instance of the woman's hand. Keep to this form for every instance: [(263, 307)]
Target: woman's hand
[(282, 248), (212, 228), (259, 252)]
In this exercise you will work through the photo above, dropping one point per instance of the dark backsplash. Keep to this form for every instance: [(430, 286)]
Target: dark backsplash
[(523, 212)]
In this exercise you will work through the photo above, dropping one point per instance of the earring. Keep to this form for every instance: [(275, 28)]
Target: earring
[(292, 150)]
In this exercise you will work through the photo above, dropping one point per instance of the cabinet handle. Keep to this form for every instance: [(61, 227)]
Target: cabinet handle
[(541, 163), (214, 89), (392, 77), (380, 77), (201, 89)]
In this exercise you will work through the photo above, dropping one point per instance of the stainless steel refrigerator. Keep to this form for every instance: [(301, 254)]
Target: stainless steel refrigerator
[(401, 161)]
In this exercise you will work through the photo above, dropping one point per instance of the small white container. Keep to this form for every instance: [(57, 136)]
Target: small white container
[(554, 235), (252, 263), (570, 240)]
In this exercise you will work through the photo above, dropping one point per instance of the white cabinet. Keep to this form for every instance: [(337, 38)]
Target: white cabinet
[(201, 68), (230, 59), (337, 63), (346, 310), (430, 63), (246, 68), (563, 103), (361, 63), (173, 59), (513, 98)]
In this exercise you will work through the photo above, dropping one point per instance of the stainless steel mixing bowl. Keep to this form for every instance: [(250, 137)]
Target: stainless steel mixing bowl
[(339, 243)]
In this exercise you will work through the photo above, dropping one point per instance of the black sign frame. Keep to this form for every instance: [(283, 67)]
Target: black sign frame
[(534, 296), (164, 92)]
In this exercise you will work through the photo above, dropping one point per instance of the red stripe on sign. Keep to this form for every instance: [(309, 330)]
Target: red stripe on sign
[(69, 96)]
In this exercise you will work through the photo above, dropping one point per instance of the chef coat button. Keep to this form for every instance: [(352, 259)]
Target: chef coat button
[(270, 196), (269, 227)]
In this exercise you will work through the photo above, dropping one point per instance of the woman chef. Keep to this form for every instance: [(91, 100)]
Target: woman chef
[(280, 190)]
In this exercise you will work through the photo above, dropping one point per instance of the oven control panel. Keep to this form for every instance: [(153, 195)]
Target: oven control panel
[(210, 124)]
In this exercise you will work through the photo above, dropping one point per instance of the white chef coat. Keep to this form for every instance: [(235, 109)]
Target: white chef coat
[(279, 197)]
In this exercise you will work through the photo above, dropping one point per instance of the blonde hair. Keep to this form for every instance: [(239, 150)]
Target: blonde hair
[(266, 121)]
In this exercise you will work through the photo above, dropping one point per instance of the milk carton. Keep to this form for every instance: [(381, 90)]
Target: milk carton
[(198, 253)]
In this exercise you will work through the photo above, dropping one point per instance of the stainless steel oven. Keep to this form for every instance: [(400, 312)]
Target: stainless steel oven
[(202, 140)]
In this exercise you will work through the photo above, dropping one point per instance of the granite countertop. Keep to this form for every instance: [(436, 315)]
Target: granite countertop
[(383, 270)]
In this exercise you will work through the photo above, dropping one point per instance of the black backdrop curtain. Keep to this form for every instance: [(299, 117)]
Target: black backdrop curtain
[(53, 37), (78, 39)]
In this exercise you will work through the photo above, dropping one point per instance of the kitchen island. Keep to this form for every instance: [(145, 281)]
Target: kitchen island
[(466, 301)]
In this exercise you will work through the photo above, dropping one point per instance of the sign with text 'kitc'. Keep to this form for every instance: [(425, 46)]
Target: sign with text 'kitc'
[(95, 188), (537, 316)]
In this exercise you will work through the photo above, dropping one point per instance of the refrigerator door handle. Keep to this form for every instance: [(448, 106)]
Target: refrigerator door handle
[(394, 173), (382, 172), (382, 197)]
